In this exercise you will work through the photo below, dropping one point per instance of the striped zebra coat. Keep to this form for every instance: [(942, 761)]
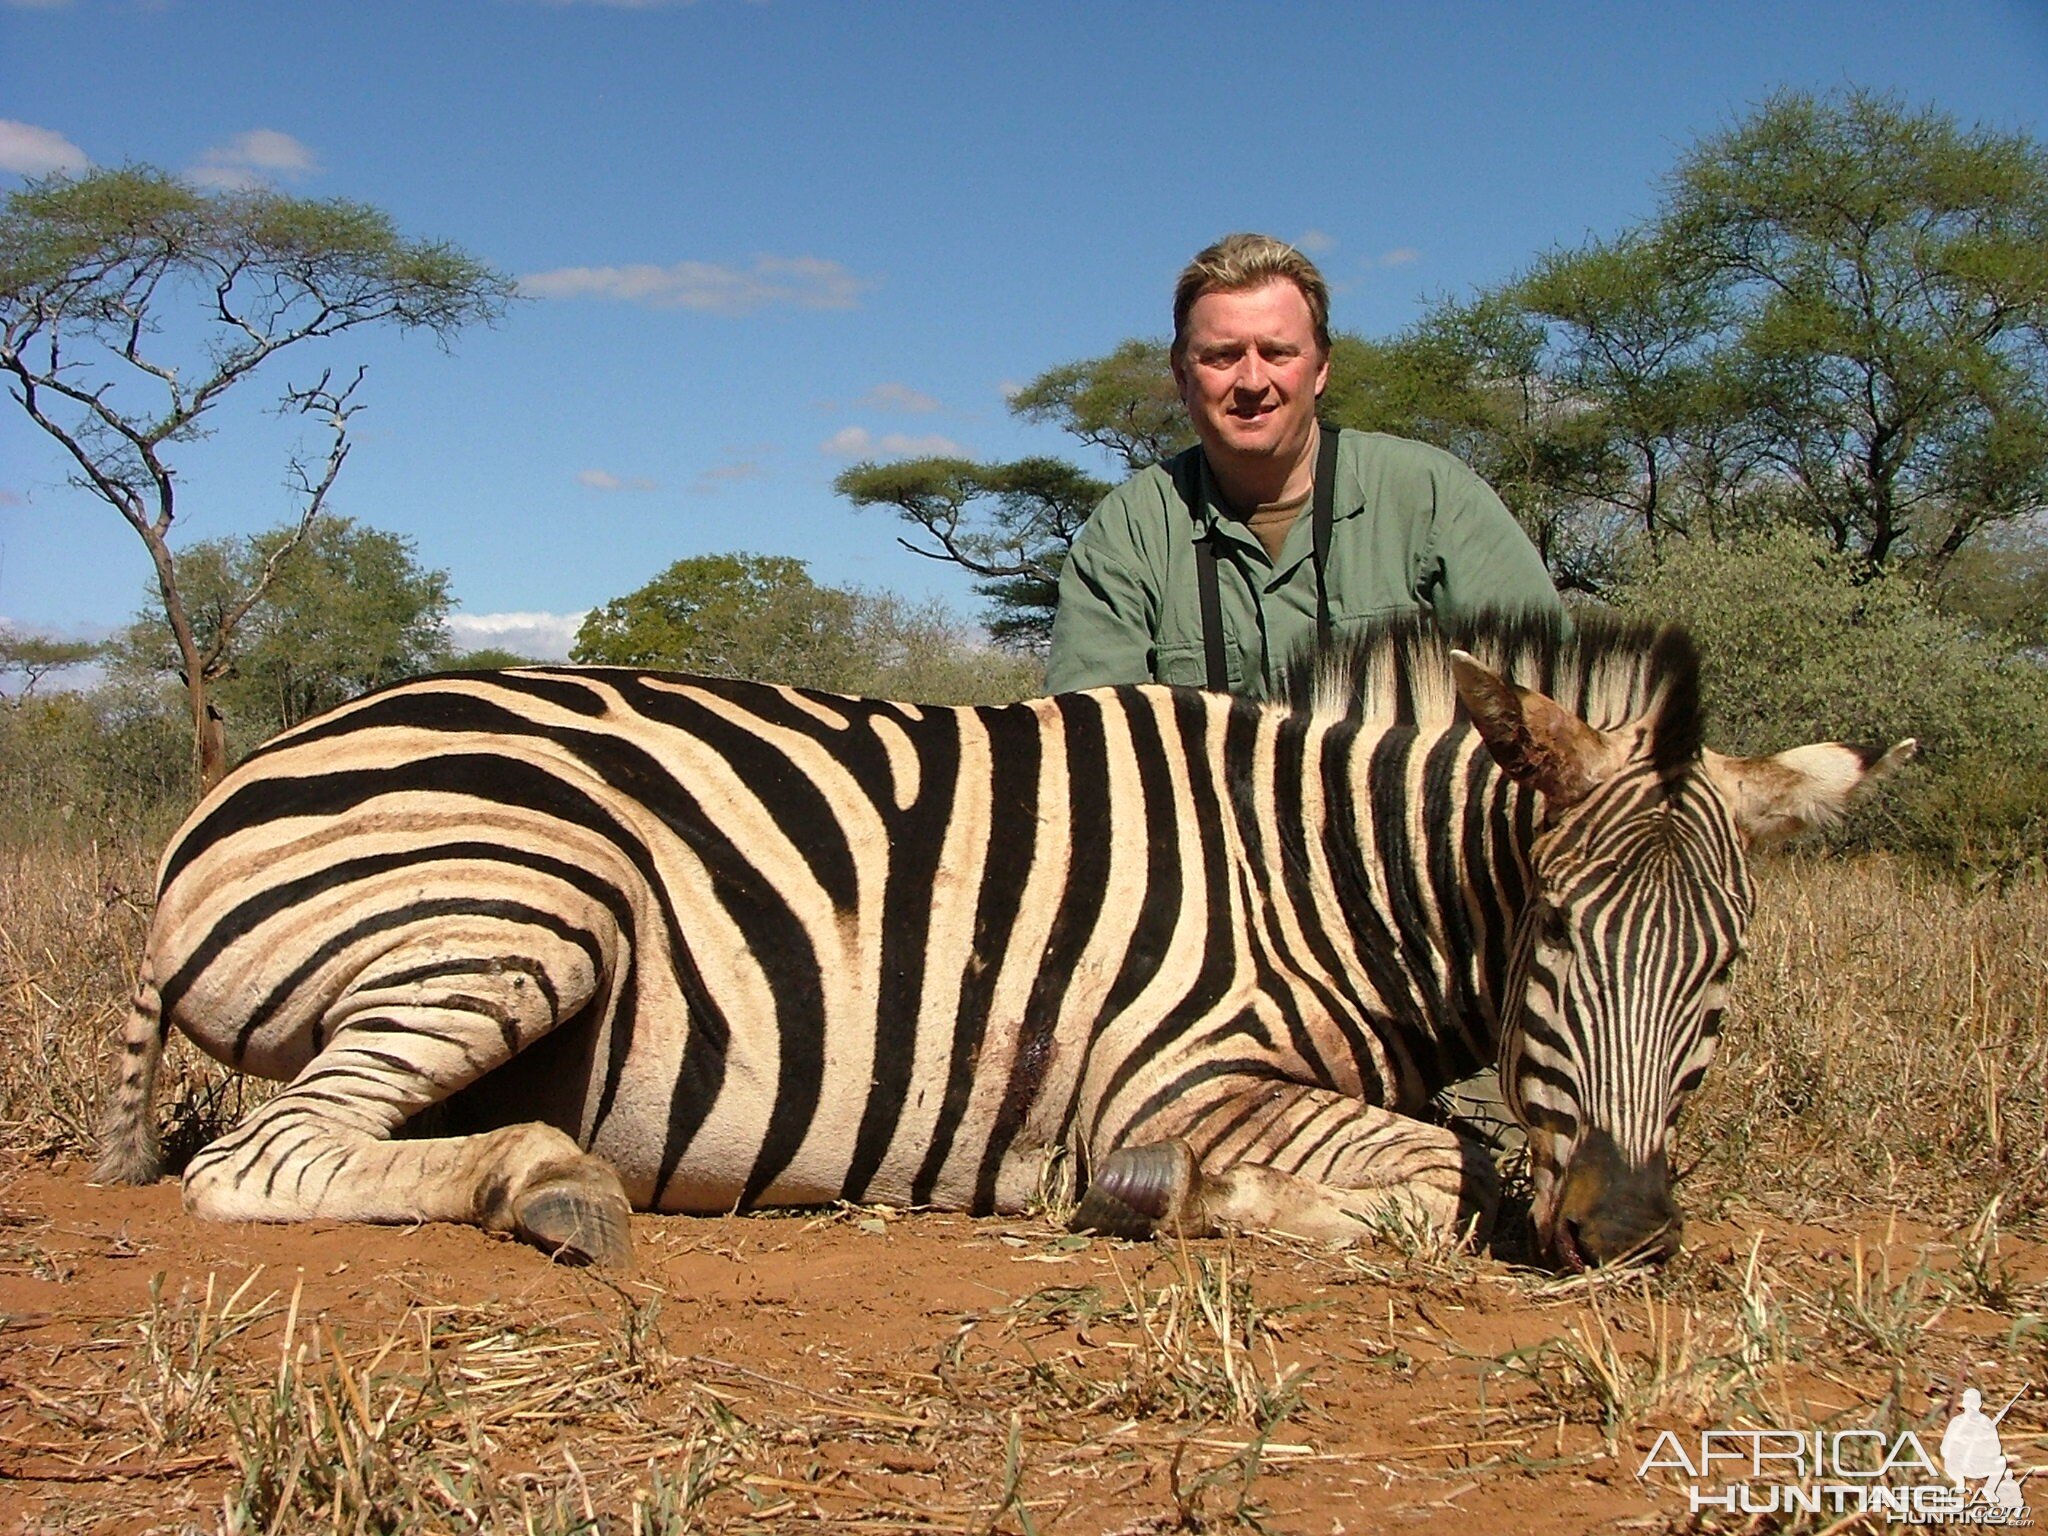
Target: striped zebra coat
[(686, 944)]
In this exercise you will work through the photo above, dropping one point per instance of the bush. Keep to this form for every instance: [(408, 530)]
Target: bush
[(761, 616), (113, 764), (1800, 644)]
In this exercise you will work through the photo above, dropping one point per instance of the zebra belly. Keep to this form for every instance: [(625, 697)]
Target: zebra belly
[(954, 1135)]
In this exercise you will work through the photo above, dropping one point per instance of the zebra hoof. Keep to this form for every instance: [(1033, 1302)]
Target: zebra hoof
[(577, 1221), (1137, 1191)]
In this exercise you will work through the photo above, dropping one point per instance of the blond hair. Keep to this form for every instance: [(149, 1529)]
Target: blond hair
[(1238, 262)]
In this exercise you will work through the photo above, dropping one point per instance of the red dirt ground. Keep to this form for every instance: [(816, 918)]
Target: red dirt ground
[(901, 1372)]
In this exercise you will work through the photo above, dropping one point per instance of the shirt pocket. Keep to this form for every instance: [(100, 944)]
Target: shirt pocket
[(1186, 664)]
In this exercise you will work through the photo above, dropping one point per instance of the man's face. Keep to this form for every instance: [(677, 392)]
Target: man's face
[(1250, 372)]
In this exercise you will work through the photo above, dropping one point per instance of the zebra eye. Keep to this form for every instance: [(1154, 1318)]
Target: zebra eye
[(1552, 931)]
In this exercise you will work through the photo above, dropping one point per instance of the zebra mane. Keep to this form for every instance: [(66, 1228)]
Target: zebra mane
[(1607, 670)]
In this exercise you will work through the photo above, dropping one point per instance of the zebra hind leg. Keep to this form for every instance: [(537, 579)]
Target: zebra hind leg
[(1296, 1160), (323, 1149)]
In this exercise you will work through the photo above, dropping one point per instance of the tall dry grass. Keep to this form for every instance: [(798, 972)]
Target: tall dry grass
[(1886, 1046), (72, 919)]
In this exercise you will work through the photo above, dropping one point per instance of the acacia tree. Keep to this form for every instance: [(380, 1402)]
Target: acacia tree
[(1624, 345), (1838, 318), (132, 302), (1010, 524), (1125, 403), (35, 657)]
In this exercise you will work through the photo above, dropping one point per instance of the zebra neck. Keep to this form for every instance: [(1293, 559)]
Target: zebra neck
[(1424, 844)]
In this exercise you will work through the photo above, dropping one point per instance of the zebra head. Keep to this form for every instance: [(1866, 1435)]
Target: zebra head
[(1637, 901)]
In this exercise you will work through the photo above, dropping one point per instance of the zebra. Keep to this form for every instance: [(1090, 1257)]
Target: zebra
[(536, 948)]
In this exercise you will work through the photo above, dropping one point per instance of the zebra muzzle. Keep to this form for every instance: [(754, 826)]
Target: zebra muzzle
[(1137, 1191), (1615, 1212)]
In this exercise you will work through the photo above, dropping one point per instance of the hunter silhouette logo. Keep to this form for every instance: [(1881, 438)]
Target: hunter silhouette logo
[(1971, 1452), (1853, 1471)]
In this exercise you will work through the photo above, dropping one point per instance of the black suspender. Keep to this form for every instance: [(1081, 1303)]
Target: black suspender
[(1325, 515), (1212, 614), (1322, 514)]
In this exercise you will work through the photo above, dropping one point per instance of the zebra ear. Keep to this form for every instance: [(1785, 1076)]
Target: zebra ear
[(1538, 743), (1777, 797)]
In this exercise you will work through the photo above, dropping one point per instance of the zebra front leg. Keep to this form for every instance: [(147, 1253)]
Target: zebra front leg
[(323, 1149), (1306, 1162)]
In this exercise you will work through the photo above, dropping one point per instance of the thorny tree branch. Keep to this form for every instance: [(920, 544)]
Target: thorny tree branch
[(336, 406)]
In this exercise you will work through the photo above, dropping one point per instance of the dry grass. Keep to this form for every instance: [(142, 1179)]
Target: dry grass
[(72, 920), (1886, 1049), (1886, 1066)]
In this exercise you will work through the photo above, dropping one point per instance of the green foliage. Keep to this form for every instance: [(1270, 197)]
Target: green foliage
[(763, 617), (1469, 379), (727, 615), (1889, 272), (1838, 318), (82, 766), (342, 610), (1621, 332), (1999, 584), (1801, 643), (86, 256), (1124, 403)]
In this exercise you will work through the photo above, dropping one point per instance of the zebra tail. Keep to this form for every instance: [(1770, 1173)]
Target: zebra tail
[(129, 1150)]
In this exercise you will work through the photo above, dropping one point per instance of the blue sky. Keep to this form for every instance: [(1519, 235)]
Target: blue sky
[(762, 240)]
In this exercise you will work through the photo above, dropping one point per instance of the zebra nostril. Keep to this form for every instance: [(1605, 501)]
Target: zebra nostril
[(1571, 1247)]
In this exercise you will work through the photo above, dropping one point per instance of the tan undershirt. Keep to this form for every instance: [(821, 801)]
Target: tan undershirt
[(1271, 522)]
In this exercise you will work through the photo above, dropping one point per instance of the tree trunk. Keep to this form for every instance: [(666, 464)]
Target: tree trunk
[(209, 731), (209, 735)]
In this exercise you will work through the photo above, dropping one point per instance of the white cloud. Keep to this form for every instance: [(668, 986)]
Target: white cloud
[(1400, 256), (897, 397), (1315, 242), (27, 150), (251, 159), (605, 480), (799, 282), (716, 478), (543, 636), (860, 443)]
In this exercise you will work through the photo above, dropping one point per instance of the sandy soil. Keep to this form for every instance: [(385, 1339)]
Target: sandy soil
[(877, 1371)]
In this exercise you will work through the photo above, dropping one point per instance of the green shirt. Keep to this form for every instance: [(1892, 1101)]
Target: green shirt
[(1413, 529)]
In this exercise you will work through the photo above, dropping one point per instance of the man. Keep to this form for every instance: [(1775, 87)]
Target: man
[(1409, 526)]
